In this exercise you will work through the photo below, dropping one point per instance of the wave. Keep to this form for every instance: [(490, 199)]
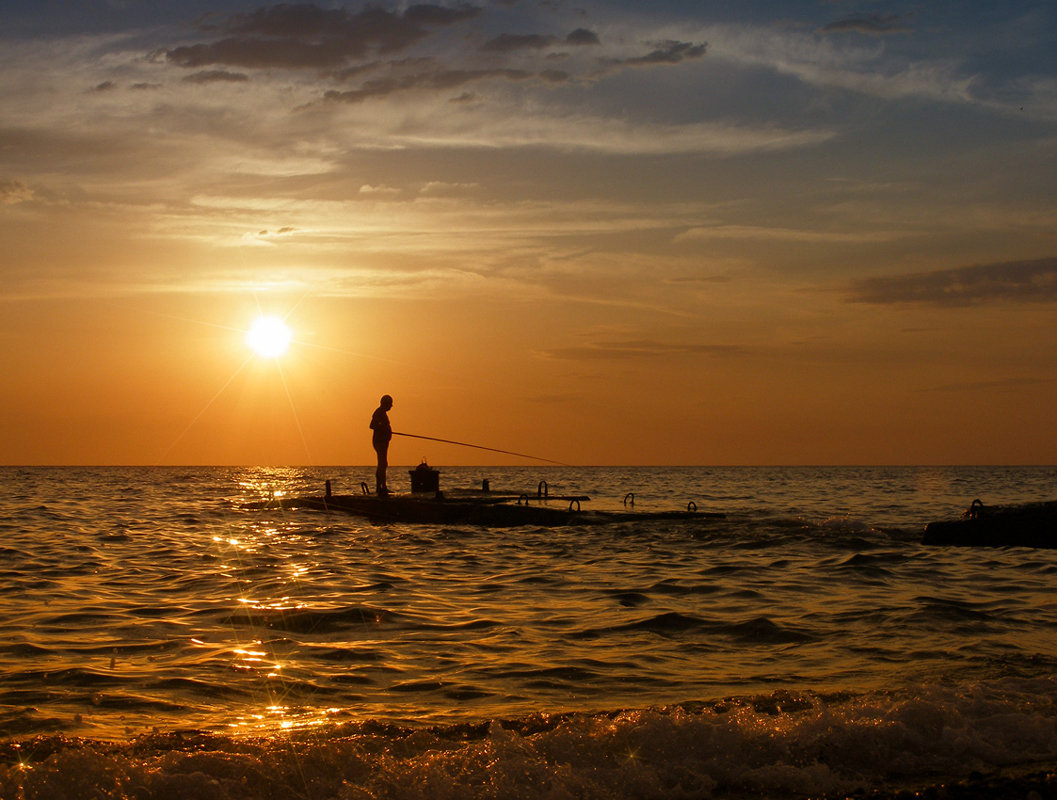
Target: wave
[(310, 620), (785, 744), (757, 630)]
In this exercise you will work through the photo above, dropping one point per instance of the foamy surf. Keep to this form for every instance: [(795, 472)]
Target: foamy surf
[(785, 744)]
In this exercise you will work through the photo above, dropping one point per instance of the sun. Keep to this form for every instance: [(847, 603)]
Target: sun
[(269, 337)]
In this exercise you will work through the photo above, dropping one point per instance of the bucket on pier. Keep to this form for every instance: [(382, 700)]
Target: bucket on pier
[(424, 478)]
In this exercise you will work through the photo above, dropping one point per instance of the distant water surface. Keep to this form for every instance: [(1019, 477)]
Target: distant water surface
[(140, 600)]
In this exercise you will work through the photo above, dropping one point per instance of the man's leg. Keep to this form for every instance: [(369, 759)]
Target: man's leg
[(379, 474)]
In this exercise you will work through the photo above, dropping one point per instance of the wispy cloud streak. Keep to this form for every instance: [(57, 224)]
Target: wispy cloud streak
[(1012, 281), (871, 24), (640, 348)]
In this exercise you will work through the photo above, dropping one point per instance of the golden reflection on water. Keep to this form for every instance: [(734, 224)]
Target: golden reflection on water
[(273, 714), (254, 659), (279, 717), (265, 482)]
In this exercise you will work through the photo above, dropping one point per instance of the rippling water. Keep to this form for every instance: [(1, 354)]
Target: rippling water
[(146, 601)]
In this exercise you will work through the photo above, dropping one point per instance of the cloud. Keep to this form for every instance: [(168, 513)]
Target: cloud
[(341, 43), (465, 98), (666, 53), (1007, 383), (13, 192), (588, 133), (508, 42), (554, 76), (870, 24), (348, 73), (759, 233), (1012, 281), (639, 348), (378, 191), (833, 62), (582, 36), (444, 79), (305, 36), (669, 52), (372, 26), (446, 188), (217, 76), (254, 53), (267, 237), (426, 14)]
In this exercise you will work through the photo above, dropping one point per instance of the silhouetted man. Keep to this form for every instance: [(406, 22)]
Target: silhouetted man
[(383, 432)]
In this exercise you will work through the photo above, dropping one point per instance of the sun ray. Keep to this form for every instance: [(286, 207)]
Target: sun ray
[(293, 409), (204, 408)]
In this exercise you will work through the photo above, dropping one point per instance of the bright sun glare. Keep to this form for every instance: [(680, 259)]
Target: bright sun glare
[(269, 337)]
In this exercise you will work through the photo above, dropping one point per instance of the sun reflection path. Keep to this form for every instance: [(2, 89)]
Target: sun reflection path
[(254, 657)]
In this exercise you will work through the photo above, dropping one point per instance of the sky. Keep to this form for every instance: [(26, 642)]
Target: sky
[(601, 233)]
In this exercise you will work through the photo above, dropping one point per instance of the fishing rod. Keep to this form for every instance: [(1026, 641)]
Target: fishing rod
[(480, 447)]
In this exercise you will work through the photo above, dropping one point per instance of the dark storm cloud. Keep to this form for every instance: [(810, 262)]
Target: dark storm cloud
[(446, 79), (1017, 281), (303, 35), (870, 24), (640, 348)]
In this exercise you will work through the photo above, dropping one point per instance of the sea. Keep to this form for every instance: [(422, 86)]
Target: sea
[(160, 639)]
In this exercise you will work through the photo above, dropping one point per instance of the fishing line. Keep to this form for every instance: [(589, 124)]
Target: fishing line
[(481, 447)]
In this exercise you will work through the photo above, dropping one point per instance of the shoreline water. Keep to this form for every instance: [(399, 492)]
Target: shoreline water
[(783, 745)]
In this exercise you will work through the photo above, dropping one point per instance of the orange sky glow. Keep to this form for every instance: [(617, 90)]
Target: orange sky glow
[(609, 235)]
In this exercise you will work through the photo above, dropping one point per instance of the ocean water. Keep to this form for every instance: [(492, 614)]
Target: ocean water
[(157, 639)]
